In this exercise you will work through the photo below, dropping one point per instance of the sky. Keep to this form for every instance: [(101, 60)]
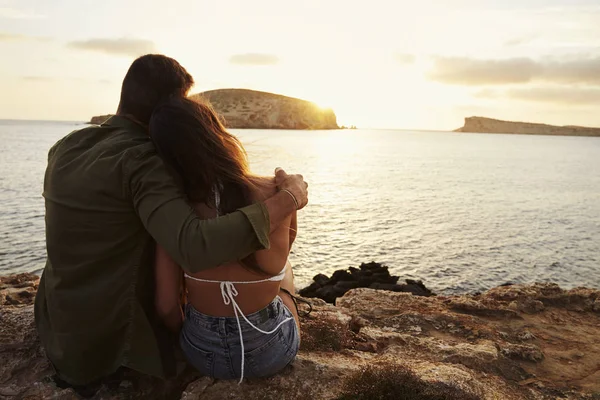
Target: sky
[(423, 64)]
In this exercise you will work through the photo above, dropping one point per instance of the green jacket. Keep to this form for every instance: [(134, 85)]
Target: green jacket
[(109, 197)]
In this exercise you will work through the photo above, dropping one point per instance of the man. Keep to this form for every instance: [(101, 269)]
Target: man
[(108, 199)]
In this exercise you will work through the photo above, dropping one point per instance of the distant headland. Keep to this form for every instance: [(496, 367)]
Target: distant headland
[(251, 109), (99, 119), (489, 125)]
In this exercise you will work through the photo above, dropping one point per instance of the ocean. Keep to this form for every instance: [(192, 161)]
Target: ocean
[(462, 212)]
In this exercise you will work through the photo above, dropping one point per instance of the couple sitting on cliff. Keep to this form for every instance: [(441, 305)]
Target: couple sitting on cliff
[(160, 241)]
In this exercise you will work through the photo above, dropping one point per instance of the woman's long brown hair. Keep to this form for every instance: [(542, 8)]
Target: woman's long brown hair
[(204, 157), (192, 140)]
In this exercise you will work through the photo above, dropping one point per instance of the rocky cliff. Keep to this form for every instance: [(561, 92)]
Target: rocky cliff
[(489, 125), (242, 108), (510, 343)]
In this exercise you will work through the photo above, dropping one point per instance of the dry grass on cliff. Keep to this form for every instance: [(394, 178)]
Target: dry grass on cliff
[(392, 382), (325, 334)]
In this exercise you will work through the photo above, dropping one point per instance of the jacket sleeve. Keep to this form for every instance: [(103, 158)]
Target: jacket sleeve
[(195, 244)]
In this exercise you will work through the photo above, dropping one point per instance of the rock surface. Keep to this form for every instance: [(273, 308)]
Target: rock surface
[(489, 125), (242, 108), (511, 342)]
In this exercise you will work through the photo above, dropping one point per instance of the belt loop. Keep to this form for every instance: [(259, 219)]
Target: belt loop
[(222, 326), (275, 308), (263, 316)]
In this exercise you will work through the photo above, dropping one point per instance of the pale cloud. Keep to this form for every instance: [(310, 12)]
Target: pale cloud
[(404, 58), (575, 71), (564, 95), (475, 72), (254, 59), (37, 79), (15, 13), (487, 93), (518, 41), (558, 95), (64, 80), (15, 37), (121, 47), (11, 37), (469, 71)]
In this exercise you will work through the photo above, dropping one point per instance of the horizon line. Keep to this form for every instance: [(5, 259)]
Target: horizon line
[(340, 129)]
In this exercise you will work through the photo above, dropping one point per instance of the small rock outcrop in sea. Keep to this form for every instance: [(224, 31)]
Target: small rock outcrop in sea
[(100, 119), (489, 125), (369, 275), (518, 342), (243, 108)]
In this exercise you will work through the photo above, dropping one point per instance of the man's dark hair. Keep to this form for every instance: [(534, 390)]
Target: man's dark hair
[(150, 79)]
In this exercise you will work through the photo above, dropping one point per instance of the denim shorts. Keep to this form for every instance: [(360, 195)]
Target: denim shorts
[(212, 344)]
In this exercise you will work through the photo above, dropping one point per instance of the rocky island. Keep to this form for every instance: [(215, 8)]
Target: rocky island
[(250, 109), (513, 342), (243, 108), (489, 125)]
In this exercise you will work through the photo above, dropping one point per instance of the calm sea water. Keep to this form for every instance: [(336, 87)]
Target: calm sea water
[(462, 212)]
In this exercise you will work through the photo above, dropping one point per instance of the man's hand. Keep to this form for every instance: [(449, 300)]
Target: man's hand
[(283, 204), (294, 184)]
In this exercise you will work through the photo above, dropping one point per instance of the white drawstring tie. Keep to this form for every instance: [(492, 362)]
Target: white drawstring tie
[(229, 292)]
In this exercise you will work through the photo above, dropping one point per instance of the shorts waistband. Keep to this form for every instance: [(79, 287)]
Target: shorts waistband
[(272, 310)]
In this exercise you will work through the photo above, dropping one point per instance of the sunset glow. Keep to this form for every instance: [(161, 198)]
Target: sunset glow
[(385, 64)]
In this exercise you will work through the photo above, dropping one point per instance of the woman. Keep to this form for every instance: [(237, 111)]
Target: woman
[(240, 318)]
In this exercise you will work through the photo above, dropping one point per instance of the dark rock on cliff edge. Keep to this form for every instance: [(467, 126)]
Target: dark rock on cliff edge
[(518, 342), (369, 275)]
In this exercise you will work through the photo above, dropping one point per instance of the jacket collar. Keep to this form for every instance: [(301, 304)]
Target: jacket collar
[(123, 121)]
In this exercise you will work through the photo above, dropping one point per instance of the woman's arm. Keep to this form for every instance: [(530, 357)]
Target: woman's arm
[(293, 229), (168, 290)]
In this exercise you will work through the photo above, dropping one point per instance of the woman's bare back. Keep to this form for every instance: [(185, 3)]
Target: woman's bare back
[(206, 297)]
